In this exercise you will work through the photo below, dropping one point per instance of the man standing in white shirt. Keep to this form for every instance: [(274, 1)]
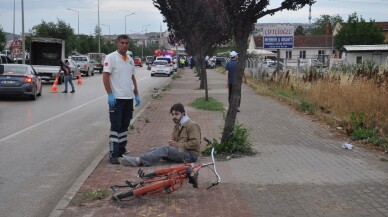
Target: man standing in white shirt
[(121, 87)]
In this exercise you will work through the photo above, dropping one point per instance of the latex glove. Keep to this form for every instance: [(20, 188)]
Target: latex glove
[(111, 100), (137, 99)]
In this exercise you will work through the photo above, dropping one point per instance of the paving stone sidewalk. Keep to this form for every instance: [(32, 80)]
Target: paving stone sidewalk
[(300, 168)]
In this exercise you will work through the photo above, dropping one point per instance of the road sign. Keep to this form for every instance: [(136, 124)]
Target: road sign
[(278, 37), (16, 47)]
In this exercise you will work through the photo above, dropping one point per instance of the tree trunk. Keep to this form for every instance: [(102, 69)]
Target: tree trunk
[(202, 72), (236, 91)]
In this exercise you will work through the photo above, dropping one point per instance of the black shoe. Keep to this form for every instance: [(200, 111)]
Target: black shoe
[(72, 91), (114, 160), (238, 109), (65, 91)]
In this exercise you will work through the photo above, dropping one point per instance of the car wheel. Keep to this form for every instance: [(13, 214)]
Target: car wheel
[(87, 73), (33, 96), (40, 91), (60, 79), (152, 75)]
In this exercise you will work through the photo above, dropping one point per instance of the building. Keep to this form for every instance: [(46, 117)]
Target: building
[(356, 54)]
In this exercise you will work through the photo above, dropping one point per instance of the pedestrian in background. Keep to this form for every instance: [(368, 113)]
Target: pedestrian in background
[(121, 86), (231, 71), (68, 76)]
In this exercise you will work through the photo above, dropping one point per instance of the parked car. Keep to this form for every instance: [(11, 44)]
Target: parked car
[(73, 67), (274, 65), (19, 79), (138, 62), (86, 66), (97, 60), (161, 67), (5, 59)]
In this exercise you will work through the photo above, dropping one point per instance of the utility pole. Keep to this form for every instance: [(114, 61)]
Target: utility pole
[(99, 28), (23, 37)]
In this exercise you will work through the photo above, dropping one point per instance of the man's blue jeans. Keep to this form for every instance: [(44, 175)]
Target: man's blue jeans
[(69, 79), (120, 116), (168, 153)]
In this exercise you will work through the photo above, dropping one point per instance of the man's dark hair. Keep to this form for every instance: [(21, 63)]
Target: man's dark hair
[(122, 37), (178, 107)]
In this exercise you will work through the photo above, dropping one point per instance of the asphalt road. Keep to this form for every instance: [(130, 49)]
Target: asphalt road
[(45, 145)]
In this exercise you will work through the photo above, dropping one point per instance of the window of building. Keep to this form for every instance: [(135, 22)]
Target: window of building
[(288, 54), (321, 52), (302, 54), (359, 59)]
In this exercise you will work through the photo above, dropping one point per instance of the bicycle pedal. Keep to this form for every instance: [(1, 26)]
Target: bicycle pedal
[(131, 184), (140, 173)]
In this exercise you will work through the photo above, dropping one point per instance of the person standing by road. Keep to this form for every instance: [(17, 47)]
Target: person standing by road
[(121, 86), (231, 71), (68, 76)]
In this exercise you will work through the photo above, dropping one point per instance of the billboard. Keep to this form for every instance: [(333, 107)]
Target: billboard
[(278, 37)]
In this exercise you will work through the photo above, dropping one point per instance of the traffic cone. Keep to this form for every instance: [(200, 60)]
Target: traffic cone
[(54, 88), (79, 82)]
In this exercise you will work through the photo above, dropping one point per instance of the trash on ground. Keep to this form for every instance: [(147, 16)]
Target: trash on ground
[(347, 146)]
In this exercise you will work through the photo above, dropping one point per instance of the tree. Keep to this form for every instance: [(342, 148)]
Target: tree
[(299, 31), (59, 30), (200, 25), (242, 15), (358, 32), (3, 39), (320, 24)]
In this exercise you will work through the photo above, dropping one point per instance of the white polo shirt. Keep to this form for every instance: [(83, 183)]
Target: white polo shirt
[(121, 72)]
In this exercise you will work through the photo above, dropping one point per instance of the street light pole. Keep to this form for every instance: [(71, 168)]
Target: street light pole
[(108, 28), (99, 28), (142, 44), (77, 15), (23, 37), (126, 21)]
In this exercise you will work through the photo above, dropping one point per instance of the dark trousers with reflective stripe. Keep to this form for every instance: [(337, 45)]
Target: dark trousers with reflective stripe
[(120, 116)]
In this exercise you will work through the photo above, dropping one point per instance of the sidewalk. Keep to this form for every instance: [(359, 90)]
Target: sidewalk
[(300, 168)]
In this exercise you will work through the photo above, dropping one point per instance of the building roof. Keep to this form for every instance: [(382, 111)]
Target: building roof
[(305, 41), (357, 48)]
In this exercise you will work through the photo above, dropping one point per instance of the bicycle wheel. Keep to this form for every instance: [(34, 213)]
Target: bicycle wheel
[(122, 195)]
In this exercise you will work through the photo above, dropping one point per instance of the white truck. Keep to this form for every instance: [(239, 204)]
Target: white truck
[(44, 56)]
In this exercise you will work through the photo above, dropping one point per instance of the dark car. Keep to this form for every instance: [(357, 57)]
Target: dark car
[(138, 62), (19, 79)]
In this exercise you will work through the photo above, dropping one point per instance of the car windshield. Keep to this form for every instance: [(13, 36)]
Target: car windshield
[(160, 63), (167, 59), (13, 70)]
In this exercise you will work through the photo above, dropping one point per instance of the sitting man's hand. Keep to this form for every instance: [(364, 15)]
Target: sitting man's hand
[(173, 143)]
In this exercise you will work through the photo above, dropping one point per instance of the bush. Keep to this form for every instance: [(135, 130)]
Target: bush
[(307, 107), (361, 133), (237, 145)]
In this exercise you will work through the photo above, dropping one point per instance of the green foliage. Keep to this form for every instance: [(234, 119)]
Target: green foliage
[(211, 104), (3, 39), (359, 32), (299, 31), (238, 144), (320, 23), (362, 133), (357, 120), (307, 107)]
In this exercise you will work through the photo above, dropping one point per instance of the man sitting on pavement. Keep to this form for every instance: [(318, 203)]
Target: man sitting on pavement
[(184, 146)]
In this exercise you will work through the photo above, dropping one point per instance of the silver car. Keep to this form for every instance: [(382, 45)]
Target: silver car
[(84, 63)]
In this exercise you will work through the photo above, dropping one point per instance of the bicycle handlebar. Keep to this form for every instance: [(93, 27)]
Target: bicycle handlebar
[(214, 163)]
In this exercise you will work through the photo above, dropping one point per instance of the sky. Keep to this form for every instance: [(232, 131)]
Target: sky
[(147, 18)]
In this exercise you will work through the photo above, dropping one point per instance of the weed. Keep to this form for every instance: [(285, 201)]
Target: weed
[(357, 120), (307, 107), (237, 145), (177, 75), (384, 159), (156, 96), (131, 127), (362, 133), (97, 194), (211, 104), (147, 120), (166, 88)]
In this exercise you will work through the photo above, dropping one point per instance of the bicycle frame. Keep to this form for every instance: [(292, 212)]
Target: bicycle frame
[(168, 179)]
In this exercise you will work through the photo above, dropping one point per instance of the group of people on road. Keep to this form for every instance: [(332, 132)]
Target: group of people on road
[(121, 87)]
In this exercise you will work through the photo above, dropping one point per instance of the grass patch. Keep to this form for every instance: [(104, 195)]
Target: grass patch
[(166, 88), (307, 107), (211, 105), (178, 74), (384, 159), (156, 96), (97, 194), (238, 145)]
